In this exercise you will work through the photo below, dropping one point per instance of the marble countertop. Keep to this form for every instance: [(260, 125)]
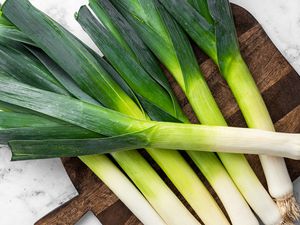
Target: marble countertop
[(281, 21), (36, 187)]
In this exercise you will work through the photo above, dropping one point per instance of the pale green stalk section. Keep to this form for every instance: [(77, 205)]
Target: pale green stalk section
[(123, 188), (256, 115), (208, 112), (237, 166), (156, 192), (184, 179)]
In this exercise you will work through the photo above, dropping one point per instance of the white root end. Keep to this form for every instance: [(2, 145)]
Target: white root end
[(289, 208)]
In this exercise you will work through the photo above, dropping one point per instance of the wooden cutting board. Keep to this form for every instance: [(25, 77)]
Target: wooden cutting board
[(280, 87)]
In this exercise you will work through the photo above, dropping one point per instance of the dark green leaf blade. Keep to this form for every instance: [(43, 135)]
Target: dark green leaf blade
[(17, 119), (68, 53), (46, 132), (21, 65), (61, 75), (202, 7), (194, 24), (19, 126), (226, 38), (128, 38), (8, 30), (94, 118), (35, 149), (164, 37), (131, 71), (156, 113)]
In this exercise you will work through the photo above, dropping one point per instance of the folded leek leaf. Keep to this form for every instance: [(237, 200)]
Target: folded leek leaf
[(22, 67), (44, 133), (17, 119), (20, 126), (35, 149), (126, 36), (69, 53), (89, 116), (8, 30), (143, 84), (61, 75), (225, 33), (194, 23), (202, 7)]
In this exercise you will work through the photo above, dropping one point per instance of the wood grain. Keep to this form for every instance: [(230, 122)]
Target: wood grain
[(280, 87)]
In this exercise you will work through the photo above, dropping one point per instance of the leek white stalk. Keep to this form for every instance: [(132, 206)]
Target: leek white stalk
[(256, 115), (225, 139), (120, 185)]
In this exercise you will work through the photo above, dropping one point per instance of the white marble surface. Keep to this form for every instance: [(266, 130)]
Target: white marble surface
[(28, 190), (89, 219), (281, 20)]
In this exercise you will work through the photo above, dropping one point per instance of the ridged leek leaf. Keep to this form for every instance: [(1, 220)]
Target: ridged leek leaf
[(164, 37), (22, 67), (61, 75), (3, 20), (217, 39), (16, 119), (131, 70), (202, 7), (94, 118), (227, 46), (8, 30), (64, 78), (68, 52), (43, 133), (35, 149), (194, 23), (126, 36), (20, 126)]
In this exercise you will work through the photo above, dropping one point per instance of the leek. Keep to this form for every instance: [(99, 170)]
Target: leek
[(224, 50), (153, 134), (186, 180), (128, 54), (166, 39)]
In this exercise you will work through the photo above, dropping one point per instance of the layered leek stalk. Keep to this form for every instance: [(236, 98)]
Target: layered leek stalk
[(211, 26)]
